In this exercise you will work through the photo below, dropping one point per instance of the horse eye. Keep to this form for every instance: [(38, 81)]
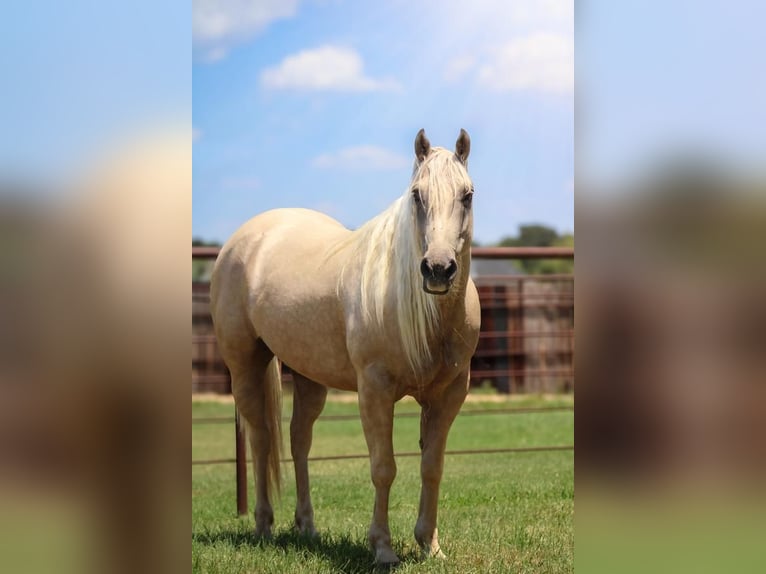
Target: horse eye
[(416, 197), (467, 199)]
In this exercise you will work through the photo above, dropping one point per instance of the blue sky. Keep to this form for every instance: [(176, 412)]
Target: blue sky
[(653, 78), (658, 80), (317, 103), (80, 76)]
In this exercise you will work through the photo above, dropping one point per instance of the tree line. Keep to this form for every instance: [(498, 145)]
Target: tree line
[(538, 235)]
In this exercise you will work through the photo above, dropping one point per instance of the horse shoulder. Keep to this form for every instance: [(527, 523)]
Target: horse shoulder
[(472, 307)]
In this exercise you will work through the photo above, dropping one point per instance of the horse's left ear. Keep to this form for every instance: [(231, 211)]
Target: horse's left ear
[(422, 146), (463, 146)]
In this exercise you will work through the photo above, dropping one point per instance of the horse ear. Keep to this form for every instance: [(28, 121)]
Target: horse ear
[(463, 146), (422, 145)]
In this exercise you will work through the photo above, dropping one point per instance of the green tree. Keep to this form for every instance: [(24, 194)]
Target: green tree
[(201, 268), (538, 235)]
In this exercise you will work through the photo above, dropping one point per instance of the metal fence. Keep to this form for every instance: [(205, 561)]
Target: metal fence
[(526, 344)]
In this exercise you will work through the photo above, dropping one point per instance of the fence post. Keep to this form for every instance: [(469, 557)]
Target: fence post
[(502, 363), (241, 465), (522, 318)]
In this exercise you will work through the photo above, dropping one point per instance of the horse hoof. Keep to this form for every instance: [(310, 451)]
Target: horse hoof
[(306, 531), (386, 558), (428, 553)]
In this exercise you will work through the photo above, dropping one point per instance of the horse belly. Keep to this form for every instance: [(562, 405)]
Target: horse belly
[(320, 360), (308, 338)]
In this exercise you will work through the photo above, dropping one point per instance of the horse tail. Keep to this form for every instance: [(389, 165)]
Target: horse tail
[(273, 416), (272, 419)]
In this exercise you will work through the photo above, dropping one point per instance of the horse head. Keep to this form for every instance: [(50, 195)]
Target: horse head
[(441, 194)]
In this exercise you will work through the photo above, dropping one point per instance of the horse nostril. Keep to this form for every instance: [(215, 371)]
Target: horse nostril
[(425, 269), (451, 269)]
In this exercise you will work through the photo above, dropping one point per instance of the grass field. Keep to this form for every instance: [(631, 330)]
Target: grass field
[(498, 513)]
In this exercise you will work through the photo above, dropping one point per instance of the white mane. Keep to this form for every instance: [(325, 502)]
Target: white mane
[(391, 250)]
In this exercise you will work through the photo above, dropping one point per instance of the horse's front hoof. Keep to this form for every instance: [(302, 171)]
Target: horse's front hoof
[(386, 558), (263, 529), (263, 534), (306, 530), (429, 544), (429, 553)]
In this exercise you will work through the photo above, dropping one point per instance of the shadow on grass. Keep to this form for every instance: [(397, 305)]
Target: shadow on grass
[(344, 553)]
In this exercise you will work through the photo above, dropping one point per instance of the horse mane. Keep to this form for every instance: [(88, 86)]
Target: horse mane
[(390, 250)]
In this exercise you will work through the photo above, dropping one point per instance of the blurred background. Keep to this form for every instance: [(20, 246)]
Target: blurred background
[(671, 356), (95, 221)]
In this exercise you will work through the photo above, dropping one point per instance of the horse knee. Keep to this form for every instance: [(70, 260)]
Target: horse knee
[(383, 474)]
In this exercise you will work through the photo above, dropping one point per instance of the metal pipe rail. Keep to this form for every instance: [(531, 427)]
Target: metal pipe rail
[(467, 412), (360, 456)]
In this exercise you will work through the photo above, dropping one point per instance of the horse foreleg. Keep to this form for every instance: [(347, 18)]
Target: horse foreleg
[(376, 408), (308, 402), (437, 416)]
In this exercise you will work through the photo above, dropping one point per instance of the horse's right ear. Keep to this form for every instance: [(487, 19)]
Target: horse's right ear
[(422, 146), (463, 146)]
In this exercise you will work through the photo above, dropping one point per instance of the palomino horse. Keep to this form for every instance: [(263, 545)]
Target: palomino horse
[(387, 310)]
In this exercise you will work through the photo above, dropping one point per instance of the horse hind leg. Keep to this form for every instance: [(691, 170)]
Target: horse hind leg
[(256, 386), (308, 402)]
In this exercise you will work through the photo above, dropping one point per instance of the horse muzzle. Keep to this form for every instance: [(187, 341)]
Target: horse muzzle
[(438, 275)]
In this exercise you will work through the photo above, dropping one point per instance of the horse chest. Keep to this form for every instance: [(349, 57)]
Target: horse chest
[(449, 362)]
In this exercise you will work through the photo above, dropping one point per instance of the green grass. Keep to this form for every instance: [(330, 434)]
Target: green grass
[(497, 513)]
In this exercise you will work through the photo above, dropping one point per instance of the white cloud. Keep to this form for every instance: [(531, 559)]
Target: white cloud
[(505, 46), (217, 25), (216, 54), (536, 12), (542, 62), (363, 157), (196, 134), (456, 30), (326, 68)]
